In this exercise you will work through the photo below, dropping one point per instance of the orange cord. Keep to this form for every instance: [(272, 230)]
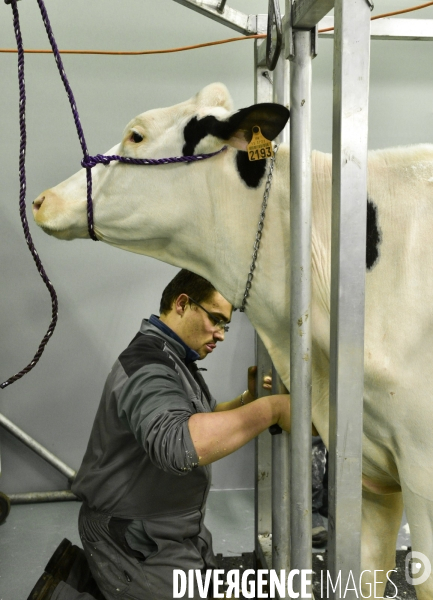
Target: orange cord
[(138, 52), (402, 11), (204, 45), (390, 14)]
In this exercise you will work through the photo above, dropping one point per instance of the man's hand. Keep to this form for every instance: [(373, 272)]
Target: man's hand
[(252, 382), (267, 382)]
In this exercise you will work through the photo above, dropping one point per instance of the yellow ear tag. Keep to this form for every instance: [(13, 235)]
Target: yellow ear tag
[(259, 147)]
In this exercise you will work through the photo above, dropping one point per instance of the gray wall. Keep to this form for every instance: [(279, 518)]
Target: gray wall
[(104, 293)]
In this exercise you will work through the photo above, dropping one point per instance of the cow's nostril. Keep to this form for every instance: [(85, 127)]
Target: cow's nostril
[(38, 202)]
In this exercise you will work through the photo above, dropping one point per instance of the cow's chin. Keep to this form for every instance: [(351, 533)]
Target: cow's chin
[(55, 228), (65, 234)]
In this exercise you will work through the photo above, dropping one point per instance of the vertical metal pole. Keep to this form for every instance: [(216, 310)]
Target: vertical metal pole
[(300, 302), (280, 491), (263, 443), (281, 441), (263, 470), (349, 204)]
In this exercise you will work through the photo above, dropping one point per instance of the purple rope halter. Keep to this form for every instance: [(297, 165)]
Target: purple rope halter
[(104, 159), (88, 163)]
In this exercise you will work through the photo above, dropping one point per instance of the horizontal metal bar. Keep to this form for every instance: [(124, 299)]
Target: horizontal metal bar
[(307, 13), (420, 30), (235, 19), (36, 497), (38, 448)]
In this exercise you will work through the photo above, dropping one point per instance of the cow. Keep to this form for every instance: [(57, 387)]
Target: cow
[(203, 217)]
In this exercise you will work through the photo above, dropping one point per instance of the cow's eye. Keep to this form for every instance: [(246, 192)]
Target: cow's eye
[(136, 137)]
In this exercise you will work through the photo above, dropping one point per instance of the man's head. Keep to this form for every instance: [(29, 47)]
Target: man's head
[(193, 309)]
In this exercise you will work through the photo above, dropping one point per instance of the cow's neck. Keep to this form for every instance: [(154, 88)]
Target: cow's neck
[(210, 225), (269, 305)]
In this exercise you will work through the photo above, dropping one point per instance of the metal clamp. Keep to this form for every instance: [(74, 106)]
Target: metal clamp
[(274, 40), (288, 37), (221, 6), (370, 4)]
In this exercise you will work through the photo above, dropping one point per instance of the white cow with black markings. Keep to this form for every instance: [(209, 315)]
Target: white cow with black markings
[(204, 216)]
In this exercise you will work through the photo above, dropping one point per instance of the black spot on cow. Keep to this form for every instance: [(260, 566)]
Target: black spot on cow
[(374, 236), (251, 171), (197, 129), (271, 118)]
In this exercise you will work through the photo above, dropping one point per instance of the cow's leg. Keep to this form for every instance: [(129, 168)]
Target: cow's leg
[(381, 518), (419, 513)]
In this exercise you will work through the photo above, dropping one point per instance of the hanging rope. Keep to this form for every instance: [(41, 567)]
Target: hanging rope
[(77, 121), (88, 163), (22, 202)]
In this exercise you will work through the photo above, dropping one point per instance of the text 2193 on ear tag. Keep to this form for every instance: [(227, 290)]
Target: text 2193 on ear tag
[(259, 147)]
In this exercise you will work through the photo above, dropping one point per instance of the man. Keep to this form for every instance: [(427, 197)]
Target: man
[(145, 475)]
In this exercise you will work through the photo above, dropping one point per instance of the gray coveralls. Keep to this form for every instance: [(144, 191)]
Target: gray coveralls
[(143, 492)]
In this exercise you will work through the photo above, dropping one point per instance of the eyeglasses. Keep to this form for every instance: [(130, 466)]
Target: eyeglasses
[(219, 323)]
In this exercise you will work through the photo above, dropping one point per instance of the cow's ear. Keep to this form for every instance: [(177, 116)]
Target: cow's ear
[(238, 129), (215, 94)]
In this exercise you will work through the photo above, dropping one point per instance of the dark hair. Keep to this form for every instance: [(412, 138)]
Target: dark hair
[(187, 283)]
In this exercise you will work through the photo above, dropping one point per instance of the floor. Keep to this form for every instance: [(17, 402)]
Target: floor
[(32, 532)]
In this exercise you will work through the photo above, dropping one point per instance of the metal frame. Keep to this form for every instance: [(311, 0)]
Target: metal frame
[(352, 29), (349, 217), (49, 457), (235, 19), (352, 34), (300, 40), (351, 85), (382, 29), (300, 298)]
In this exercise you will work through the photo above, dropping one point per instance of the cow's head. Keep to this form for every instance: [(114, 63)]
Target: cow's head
[(172, 211)]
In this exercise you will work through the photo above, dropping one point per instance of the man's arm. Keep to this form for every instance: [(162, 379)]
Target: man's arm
[(240, 400), (218, 434), (246, 397)]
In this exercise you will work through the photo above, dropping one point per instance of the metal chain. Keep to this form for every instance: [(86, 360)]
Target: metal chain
[(259, 231)]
